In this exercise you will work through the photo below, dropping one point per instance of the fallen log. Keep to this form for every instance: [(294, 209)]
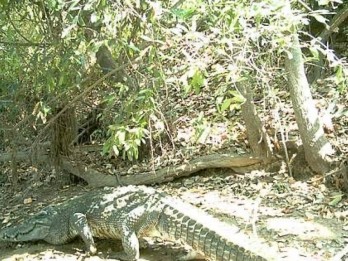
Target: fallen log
[(96, 178)]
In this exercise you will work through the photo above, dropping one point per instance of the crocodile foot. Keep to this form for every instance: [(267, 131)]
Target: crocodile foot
[(191, 255), (92, 250), (122, 256)]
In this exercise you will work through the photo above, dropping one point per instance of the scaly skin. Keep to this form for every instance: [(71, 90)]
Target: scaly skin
[(129, 213)]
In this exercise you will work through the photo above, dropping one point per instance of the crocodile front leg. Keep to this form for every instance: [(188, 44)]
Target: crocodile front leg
[(79, 226)]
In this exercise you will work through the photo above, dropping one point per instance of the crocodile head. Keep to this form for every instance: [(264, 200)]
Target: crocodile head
[(35, 228)]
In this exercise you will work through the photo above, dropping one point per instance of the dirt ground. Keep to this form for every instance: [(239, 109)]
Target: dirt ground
[(302, 219)]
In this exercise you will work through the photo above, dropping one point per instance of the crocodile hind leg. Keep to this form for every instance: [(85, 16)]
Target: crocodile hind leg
[(130, 245), (131, 225), (79, 225)]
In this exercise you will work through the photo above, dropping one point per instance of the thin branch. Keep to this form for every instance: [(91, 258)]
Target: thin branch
[(84, 93), (336, 21), (18, 32), (29, 44)]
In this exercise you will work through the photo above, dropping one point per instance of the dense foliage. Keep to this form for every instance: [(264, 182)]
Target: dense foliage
[(49, 53)]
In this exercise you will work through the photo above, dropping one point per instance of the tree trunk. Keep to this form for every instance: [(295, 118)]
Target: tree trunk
[(258, 139), (316, 146)]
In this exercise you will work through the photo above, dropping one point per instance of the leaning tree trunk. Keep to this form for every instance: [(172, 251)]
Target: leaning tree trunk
[(316, 146), (258, 138), (64, 131)]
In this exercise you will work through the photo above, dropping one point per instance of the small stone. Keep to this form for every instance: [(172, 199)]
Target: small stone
[(28, 201)]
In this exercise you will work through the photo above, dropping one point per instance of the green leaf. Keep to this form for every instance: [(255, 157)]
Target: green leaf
[(314, 51), (183, 13), (106, 147), (319, 18), (61, 79), (237, 97), (121, 136), (225, 105), (112, 127), (133, 47), (136, 153), (52, 4), (339, 74), (197, 81), (115, 150), (323, 2), (336, 199)]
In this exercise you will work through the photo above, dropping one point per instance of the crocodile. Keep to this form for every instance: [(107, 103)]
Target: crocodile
[(133, 212)]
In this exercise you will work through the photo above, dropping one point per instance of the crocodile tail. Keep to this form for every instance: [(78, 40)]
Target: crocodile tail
[(207, 235)]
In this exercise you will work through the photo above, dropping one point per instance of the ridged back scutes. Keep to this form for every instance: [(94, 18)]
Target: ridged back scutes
[(208, 235)]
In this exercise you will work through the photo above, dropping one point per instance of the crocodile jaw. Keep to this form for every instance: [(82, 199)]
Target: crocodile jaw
[(24, 233), (35, 228)]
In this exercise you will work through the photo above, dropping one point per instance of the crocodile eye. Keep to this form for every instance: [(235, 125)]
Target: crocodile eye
[(47, 211), (8, 236), (41, 214)]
